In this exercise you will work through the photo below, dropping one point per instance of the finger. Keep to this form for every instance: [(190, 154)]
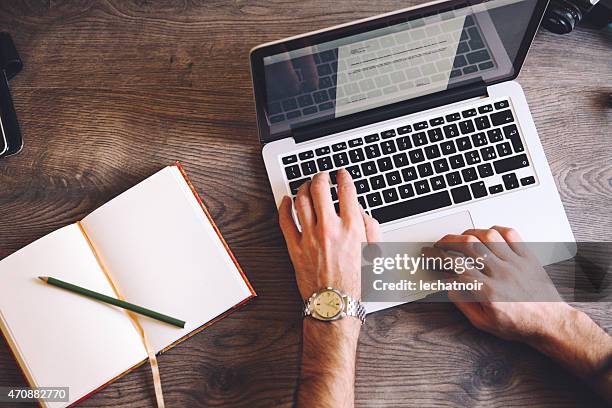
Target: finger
[(347, 196), (304, 208), (466, 244), (321, 197), (469, 307), (514, 240), (452, 264), (371, 226), (494, 241), (287, 223)]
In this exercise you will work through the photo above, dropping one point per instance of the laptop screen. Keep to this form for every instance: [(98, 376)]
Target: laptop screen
[(389, 60)]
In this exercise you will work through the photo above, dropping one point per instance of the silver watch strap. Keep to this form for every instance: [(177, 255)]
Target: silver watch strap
[(355, 308)]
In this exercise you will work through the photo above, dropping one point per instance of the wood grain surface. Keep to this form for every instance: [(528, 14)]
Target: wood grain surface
[(114, 90)]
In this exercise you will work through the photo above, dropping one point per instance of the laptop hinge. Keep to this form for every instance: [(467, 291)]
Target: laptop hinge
[(460, 93)]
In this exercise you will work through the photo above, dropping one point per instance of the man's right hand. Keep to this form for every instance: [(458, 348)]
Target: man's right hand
[(511, 306)]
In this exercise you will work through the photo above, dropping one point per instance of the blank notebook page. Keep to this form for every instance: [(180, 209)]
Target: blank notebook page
[(63, 338), (164, 254)]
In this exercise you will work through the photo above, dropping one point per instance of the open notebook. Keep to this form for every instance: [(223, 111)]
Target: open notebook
[(162, 249)]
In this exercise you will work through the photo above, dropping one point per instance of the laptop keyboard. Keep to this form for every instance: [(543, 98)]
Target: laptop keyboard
[(471, 56), (434, 163)]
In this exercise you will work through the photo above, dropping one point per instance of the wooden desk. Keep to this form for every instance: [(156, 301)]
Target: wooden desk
[(112, 91)]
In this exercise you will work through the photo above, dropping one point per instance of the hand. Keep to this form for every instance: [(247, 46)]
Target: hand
[(327, 252), (518, 300)]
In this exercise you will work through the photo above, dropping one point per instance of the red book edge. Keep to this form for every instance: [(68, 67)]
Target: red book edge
[(188, 335)]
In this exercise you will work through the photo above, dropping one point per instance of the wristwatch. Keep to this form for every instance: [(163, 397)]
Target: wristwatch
[(330, 304)]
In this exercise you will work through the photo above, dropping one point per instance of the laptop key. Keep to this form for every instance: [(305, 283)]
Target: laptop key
[(290, 159), (435, 135), (485, 109), (362, 202), (478, 189), (425, 170), (356, 155), (306, 155), (372, 151), (305, 100), (485, 170), (354, 171), (333, 175), (478, 56), (448, 147), (432, 152), (416, 155), (295, 185), (472, 157), (419, 139), (453, 117), (362, 186), (461, 194), (322, 151), (453, 178), (406, 191), (384, 164), (388, 147), (440, 165), (372, 138), (409, 174), (293, 172), (422, 187), (340, 159), (337, 208), (420, 125), (289, 104), (369, 168), (495, 135), (456, 161), (468, 113), (400, 160), (469, 174), (467, 126), (387, 134), (510, 181), (393, 178), (437, 183), (488, 153), (339, 146), (451, 130), (501, 105), (377, 182), (511, 133), (412, 207), (355, 142), (374, 199), (325, 163), (403, 143), (390, 195), (511, 163), (498, 188), (309, 168), (334, 193), (436, 121), (404, 129), (482, 122), (502, 117), (525, 181), (463, 143), (503, 149)]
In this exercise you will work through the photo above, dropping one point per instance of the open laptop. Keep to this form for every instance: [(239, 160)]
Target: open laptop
[(420, 107)]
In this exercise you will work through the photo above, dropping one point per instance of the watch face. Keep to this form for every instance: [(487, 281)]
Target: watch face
[(328, 304)]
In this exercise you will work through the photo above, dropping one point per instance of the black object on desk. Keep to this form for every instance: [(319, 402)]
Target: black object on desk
[(11, 141)]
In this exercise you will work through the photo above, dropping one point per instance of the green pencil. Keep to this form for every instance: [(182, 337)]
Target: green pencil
[(107, 299)]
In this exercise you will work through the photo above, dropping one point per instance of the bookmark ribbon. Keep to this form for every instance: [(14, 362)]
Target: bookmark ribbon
[(159, 396)]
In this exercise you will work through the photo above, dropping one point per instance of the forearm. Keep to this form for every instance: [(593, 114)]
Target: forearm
[(327, 376), (578, 343)]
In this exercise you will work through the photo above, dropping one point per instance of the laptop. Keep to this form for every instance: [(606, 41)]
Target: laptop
[(422, 108)]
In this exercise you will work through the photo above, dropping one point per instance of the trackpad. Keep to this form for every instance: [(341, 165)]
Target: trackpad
[(431, 230), (421, 233)]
